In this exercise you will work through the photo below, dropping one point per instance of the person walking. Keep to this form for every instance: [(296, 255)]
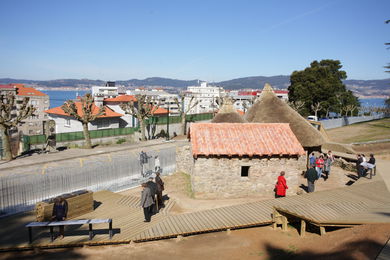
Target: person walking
[(153, 189), (320, 165), (146, 202), (160, 189), (311, 176), (60, 211), (157, 167), (281, 186)]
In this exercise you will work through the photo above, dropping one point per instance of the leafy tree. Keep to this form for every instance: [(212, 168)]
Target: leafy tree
[(142, 109), (11, 116), (184, 110), (321, 83), (86, 115)]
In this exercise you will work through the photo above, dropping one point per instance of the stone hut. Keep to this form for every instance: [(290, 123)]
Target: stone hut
[(236, 160), (270, 109), (228, 114)]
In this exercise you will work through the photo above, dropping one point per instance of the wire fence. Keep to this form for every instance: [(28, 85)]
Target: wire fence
[(22, 188)]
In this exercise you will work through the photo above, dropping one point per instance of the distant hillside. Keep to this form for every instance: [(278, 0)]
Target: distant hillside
[(360, 87)]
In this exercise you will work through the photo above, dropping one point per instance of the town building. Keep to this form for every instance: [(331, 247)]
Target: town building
[(230, 160), (243, 100), (206, 96), (159, 97), (228, 114), (64, 123), (114, 103), (99, 93)]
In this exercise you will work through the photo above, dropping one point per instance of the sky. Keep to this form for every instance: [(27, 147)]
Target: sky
[(211, 40)]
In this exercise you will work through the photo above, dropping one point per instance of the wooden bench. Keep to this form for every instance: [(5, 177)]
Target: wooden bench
[(53, 224)]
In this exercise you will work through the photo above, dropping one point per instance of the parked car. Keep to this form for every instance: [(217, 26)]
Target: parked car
[(312, 118)]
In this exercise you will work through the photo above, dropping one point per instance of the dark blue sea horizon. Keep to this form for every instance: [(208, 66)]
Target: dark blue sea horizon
[(58, 97)]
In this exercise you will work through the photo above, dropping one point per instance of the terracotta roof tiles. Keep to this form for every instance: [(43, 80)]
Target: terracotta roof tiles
[(95, 109), (249, 139), (121, 98)]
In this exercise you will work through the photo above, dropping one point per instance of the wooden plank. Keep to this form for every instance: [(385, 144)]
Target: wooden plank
[(303, 228)]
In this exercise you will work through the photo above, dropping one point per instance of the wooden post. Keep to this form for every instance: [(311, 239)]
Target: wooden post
[(30, 235), (284, 223), (303, 228), (90, 232), (51, 233), (110, 228), (322, 230)]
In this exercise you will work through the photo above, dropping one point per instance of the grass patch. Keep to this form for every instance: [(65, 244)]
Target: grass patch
[(121, 141)]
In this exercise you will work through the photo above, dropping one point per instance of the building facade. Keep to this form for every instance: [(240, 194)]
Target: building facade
[(206, 96)]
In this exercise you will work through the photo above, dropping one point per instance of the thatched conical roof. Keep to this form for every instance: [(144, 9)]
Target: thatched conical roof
[(228, 114), (270, 109)]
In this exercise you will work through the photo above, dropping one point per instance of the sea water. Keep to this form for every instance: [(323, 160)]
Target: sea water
[(58, 97)]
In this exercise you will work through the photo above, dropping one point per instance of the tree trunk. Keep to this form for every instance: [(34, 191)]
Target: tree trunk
[(7, 154), (183, 124), (142, 126), (87, 137)]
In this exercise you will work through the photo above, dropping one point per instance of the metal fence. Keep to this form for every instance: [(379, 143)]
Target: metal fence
[(162, 120), (22, 188)]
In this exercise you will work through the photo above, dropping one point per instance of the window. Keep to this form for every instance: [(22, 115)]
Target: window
[(103, 124), (245, 171), (67, 122), (33, 102)]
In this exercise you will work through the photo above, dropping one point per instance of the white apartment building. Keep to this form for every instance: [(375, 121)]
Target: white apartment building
[(159, 96), (206, 96), (99, 93)]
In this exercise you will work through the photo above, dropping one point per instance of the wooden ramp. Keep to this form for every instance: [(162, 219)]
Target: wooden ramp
[(352, 205), (385, 252)]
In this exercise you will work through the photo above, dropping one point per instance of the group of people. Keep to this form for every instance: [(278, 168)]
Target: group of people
[(322, 164), (151, 196), (363, 165)]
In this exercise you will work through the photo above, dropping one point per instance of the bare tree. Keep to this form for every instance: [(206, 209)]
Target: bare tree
[(142, 109), (11, 116), (183, 110), (85, 115), (297, 105), (248, 103), (316, 107)]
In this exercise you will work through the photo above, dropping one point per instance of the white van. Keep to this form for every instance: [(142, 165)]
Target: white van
[(312, 118)]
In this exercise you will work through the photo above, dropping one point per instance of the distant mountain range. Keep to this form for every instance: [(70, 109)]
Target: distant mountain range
[(360, 87)]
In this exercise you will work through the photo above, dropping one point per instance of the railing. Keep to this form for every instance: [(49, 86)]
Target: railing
[(177, 119)]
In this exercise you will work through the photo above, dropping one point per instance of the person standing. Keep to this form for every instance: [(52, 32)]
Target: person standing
[(371, 165), (160, 189), (359, 167), (157, 167), (320, 165), (153, 189), (311, 176), (312, 160), (281, 186), (60, 211), (146, 202), (327, 164)]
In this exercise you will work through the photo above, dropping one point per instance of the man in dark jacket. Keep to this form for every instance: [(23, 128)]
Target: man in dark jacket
[(146, 202), (60, 211), (311, 176), (359, 168), (160, 188), (153, 189)]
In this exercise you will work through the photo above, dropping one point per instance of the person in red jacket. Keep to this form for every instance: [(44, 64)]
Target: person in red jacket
[(281, 186)]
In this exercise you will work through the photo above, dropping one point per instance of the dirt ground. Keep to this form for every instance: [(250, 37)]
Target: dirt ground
[(360, 243)]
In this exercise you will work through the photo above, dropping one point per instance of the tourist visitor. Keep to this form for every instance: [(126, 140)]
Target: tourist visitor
[(311, 176), (327, 165), (146, 202), (320, 165), (364, 158), (330, 155), (281, 186), (369, 166), (157, 167), (312, 160), (153, 189), (60, 211), (359, 167), (160, 189)]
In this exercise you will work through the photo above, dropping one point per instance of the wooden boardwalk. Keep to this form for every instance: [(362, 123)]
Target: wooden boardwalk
[(356, 204)]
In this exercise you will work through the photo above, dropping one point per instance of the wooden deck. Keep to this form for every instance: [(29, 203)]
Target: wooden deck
[(356, 204), (385, 252)]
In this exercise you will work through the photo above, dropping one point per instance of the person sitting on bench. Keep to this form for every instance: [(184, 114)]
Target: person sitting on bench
[(60, 210)]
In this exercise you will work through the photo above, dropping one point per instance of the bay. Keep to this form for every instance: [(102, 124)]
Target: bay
[(372, 102), (58, 97)]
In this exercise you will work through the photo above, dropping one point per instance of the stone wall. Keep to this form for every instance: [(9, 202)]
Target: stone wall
[(221, 177), (184, 159)]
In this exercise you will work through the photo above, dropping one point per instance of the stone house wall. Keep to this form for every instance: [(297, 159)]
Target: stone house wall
[(184, 159), (221, 177)]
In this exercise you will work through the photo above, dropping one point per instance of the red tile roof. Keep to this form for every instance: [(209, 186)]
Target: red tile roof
[(121, 98), (6, 86), (250, 139), (95, 110), (160, 111), (24, 91)]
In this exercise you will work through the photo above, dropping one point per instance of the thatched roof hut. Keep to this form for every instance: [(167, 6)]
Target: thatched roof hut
[(270, 109), (228, 114)]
